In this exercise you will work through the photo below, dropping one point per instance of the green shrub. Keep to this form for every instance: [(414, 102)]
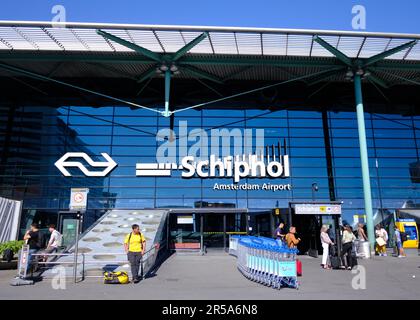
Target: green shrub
[(15, 246)]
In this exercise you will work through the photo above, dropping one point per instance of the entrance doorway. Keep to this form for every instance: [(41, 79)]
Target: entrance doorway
[(308, 229), (309, 222), (205, 228), (214, 230), (67, 226)]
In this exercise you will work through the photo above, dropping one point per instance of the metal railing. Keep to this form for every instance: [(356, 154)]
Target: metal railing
[(265, 261), (147, 261)]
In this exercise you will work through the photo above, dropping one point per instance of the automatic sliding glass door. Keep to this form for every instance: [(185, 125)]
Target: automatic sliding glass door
[(214, 230)]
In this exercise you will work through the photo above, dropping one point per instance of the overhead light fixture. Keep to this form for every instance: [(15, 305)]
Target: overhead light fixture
[(164, 67), (174, 68), (360, 72), (349, 74)]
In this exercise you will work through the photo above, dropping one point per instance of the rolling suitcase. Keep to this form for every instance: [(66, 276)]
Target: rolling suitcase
[(353, 261), (335, 262), (334, 258), (299, 268)]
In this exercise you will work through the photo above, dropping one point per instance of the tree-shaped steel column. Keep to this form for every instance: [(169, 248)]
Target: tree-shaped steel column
[(358, 69)]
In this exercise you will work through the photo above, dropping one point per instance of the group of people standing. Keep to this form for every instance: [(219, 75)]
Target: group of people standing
[(382, 240), (348, 238), (287, 238), (347, 255)]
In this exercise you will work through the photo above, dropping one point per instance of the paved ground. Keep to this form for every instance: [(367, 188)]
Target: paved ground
[(215, 277)]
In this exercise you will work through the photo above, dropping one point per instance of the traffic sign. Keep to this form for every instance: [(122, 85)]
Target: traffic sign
[(78, 198)]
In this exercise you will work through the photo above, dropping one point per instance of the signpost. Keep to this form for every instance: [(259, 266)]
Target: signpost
[(318, 209), (78, 198), (78, 201), (76, 244), (23, 262)]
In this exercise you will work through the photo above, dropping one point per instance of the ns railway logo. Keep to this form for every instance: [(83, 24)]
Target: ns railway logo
[(238, 167)]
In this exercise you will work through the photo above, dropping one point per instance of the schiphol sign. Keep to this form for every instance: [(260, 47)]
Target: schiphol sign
[(236, 168), (230, 167), (202, 158)]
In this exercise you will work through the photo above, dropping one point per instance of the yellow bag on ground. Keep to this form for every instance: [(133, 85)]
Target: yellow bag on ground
[(116, 277)]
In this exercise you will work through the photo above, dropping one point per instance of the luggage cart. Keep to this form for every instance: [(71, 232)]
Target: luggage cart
[(267, 262)]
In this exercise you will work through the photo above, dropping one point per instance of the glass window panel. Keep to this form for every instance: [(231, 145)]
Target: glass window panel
[(394, 133), (81, 120)]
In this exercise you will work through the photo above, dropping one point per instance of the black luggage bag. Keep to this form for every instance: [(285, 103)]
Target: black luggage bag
[(353, 261), (334, 258)]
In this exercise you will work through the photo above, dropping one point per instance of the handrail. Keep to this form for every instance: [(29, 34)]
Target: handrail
[(145, 257), (91, 253)]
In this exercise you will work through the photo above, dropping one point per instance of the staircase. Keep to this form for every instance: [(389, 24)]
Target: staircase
[(102, 245)]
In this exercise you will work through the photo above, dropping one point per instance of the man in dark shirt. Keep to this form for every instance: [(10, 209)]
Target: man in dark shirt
[(280, 233), (33, 238)]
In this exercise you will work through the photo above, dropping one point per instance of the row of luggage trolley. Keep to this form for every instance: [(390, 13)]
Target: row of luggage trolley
[(266, 261)]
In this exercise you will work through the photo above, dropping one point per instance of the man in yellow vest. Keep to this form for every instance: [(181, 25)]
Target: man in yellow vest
[(135, 245)]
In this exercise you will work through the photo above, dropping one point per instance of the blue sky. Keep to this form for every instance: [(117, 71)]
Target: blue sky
[(385, 16)]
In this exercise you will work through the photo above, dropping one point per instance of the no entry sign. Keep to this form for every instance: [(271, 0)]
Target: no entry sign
[(78, 198)]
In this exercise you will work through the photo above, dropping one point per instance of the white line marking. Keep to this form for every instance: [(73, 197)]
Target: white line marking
[(146, 166), (151, 173)]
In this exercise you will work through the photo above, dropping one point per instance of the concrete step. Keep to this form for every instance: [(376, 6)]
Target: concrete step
[(103, 244)]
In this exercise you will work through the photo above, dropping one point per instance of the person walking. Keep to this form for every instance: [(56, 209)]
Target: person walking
[(399, 243), (291, 239), (326, 242), (381, 240), (135, 245), (348, 239), (54, 242)]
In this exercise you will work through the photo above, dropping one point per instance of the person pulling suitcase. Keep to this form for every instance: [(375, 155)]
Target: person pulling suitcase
[(348, 239)]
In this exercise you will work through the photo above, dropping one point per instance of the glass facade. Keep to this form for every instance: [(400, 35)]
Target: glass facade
[(323, 148)]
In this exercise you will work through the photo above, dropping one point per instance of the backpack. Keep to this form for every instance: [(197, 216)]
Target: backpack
[(8, 255), (403, 236), (116, 277), (129, 238)]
